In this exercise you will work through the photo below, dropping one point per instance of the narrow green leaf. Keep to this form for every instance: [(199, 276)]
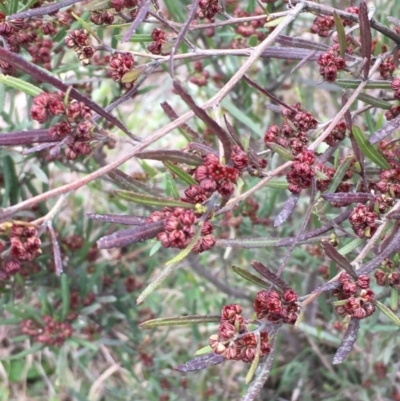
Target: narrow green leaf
[(373, 101), (180, 320), (170, 187), (341, 33), (351, 246), (97, 5), (65, 296), (20, 85), (354, 84), (10, 182), (152, 200), (183, 175), (277, 183), (138, 38), (384, 309), (394, 298), (368, 150), (34, 348), (250, 277), (254, 365), (340, 173), (154, 249), (241, 116), (281, 151)]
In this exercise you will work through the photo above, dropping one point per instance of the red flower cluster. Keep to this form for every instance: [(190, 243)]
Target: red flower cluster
[(24, 246), (79, 41), (322, 25), (119, 5), (293, 133), (330, 63), (75, 127), (200, 78), (387, 67), (387, 276), (40, 51), (213, 176), (337, 135), (179, 229), (234, 341), (159, 38), (301, 172), (357, 294), (363, 221), (389, 182), (120, 64), (247, 29), (208, 9), (275, 307), (52, 333), (101, 17)]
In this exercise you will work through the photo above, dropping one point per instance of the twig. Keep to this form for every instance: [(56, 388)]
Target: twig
[(35, 12)]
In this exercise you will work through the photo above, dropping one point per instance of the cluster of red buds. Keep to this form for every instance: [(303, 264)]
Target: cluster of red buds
[(395, 85), (356, 295), (247, 29), (201, 75), (120, 64), (324, 23), (179, 229), (131, 284), (386, 275), (23, 246), (363, 220), (337, 135), (391, 151), (102, 17), (387, 67), (159, 38), (301, 172), (274, 307), (79, 41), (234, 341), (51, 333), (75, 129), (40, 51), (330, 63), (120, 5), (293, 133), (389, 182), (208, 9)]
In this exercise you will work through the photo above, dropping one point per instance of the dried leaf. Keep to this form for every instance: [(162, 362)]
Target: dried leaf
[(348, 341), (17, 138), (200, 362), (180, 320), (365, 36), (395, 215), (175, 156), (119, 219), (269, 275), (152, 200), (348, 197), (385, 131), (339, 259), (131, 235), (286, 210)]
